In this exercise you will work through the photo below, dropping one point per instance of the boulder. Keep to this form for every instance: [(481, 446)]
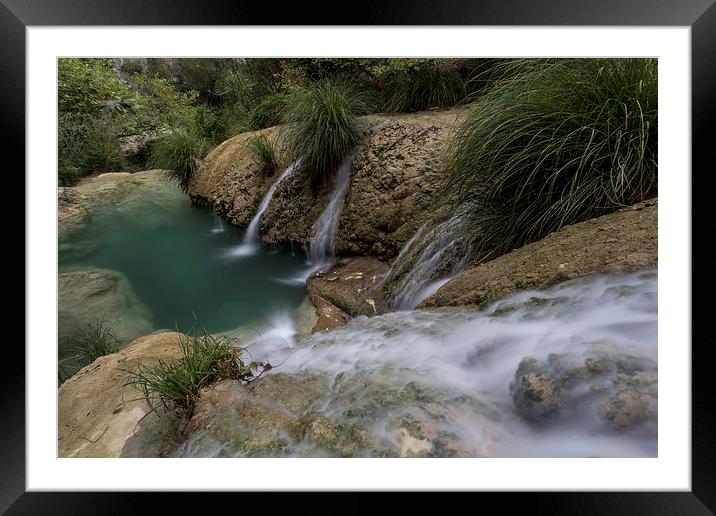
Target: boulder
[(98, 415), (352, 287)]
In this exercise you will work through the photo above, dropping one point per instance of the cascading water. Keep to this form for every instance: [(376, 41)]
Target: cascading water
[(431, 269), (251, 237), (322, 249), (448, 377), (218, 225)]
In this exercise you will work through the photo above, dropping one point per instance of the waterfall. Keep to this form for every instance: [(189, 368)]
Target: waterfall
[(431, 270), (218, 225), (251, 237), (322, 248)]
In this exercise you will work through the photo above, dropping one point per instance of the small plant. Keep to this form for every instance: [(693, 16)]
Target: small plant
[(85, 145), (86, 346), (179, 153), (172, 388), (321, 125), (264, 154)]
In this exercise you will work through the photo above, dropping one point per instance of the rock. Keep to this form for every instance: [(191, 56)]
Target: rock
[(85, 296), (96, 413), (535, 393), (71, 212), (318, 415), (393, 181), (619, 242), (230, 179), (352, 287), (622, 387)]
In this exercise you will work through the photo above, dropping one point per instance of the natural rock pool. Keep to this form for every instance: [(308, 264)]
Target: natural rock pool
[(180, 262)]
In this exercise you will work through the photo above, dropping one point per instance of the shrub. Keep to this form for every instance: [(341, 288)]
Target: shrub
[(423, 84), (174, 387), (321, 125), (264, 154), (179, 153), (85, 145), (554, 143)]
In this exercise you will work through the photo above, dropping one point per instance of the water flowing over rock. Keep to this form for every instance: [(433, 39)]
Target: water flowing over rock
[(322, 249), (251, 237), (451, 382), (618, 242), (252, 232), (428, 260)]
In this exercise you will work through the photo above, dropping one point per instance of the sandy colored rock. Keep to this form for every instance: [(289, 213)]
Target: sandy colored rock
[(76, 204), (96, 416), (615, 243), (86, 296)]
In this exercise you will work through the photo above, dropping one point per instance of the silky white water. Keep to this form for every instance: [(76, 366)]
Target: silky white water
[(251, 240), (428, 273), (473, 355), (322, 249)]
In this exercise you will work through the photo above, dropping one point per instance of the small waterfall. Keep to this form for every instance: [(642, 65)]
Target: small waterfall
[(431, 270), (409, 243), (218, 225), (251, 237), (322, 248)]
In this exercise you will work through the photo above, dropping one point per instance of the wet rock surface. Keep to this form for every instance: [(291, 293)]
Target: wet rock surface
[(621, 388), (352, 287)]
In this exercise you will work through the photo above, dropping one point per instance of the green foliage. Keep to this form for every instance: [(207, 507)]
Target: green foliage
[(179, 152), (414, 85), (264, 154), (82, 84), (268, 112), (554, 143), (172, 388), (85, 145), (86, 346), (321, 125)]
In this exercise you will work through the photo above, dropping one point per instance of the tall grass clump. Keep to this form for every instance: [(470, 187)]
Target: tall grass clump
[(172, 388), (321, 125), (431, 83), (264, 154), (179, 152), (554, 143)]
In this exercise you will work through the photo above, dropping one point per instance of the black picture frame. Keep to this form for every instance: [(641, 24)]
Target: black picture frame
[(699, 15)]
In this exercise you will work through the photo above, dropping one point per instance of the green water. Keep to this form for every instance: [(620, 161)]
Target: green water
[(178, 260)]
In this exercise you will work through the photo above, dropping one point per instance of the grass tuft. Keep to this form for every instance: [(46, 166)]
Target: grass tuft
[(321, 125), (264, 154), (172, 388), (179, 152), (554, 143), (86, 346)]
